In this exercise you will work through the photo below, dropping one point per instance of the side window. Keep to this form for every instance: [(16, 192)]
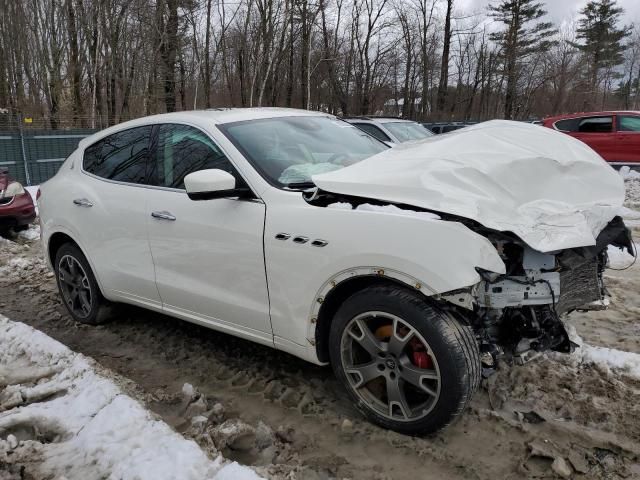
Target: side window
[(628, 123), (596, 125), (373, 131), (182, 150), (123, 156), (569, 125)]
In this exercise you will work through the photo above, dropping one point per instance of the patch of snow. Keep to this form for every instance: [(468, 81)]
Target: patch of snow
[(619, 258), (304, 171), (340, 206), (97, 430), (390, 209), (607, 358), (15, 263), (627, 174), (32, 233)]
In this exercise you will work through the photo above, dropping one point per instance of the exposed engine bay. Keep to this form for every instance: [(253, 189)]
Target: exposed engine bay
[(518, 314)]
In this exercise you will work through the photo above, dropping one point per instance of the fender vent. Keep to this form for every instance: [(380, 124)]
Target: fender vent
[(319, 243)]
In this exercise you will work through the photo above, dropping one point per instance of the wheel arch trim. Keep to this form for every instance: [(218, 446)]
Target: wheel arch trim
[(59, 229), (327, 299)]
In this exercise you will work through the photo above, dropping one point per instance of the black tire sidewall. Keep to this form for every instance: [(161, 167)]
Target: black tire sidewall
[(96, 297), (432, 324)]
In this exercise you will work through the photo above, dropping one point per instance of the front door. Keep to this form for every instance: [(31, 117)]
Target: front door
[(628, 139), (208, 255)]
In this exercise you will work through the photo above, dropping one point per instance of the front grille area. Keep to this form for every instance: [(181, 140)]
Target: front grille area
[(579, 286)]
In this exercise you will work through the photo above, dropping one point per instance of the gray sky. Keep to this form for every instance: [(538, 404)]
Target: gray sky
[(562, 11)]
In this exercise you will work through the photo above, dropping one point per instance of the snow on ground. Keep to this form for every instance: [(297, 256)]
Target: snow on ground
[(627, 174), (14, 264), (80, 424), (607, 358), (32, 233)]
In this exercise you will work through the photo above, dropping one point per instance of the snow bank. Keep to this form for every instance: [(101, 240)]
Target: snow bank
[(627, 174), (612, 359), (94, 429), (391, 209), (606, 358), (32, 233)]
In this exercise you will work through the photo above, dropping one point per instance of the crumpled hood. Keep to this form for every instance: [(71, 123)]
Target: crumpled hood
[(548, 188)]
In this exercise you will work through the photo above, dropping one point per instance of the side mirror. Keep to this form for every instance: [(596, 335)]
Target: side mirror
[(211, 184)]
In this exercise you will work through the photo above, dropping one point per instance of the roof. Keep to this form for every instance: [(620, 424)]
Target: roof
[(213, 116), (377, 119), (585, 114)]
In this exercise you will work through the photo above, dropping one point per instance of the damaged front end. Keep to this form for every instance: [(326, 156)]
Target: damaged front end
[(518, 314)]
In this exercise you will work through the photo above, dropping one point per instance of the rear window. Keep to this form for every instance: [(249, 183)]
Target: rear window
[(123, 156)]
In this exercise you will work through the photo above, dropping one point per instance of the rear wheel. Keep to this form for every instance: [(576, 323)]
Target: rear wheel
[(78, 287), (408, 366)]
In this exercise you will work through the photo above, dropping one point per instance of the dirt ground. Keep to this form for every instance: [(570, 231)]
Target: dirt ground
[(553, 417)]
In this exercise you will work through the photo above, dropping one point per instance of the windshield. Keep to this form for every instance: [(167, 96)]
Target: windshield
[(287, 151), (407, 131)]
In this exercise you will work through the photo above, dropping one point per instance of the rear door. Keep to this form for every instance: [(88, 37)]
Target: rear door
[(627, 138), (109, 214), (208, 255), (597, 132)]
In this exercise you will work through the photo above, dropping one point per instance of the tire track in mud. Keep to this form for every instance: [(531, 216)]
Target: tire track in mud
[(330, 439)]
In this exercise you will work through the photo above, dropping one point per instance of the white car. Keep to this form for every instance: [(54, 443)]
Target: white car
[(410, 270), (391, 130)]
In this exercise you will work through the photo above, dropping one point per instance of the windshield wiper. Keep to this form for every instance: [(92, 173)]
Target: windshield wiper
[(300, 185)]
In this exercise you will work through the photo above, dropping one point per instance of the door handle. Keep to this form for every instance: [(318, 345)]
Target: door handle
[(82, 202), (163, 215)]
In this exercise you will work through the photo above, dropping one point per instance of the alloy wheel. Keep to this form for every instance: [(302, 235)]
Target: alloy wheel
[(75, 286), (390, 366)]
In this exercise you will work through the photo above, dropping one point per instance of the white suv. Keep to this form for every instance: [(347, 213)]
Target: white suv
[(411, 270)]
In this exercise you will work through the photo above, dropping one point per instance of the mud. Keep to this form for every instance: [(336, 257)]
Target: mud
[(290, 419)]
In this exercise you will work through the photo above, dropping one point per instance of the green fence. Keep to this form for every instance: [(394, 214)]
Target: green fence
[(32, 156)]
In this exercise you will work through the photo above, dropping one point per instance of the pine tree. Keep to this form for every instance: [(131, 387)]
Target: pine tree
[(524, 34), (602, 40)]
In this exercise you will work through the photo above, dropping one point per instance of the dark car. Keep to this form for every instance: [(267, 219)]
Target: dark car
[(614, 135), (17, 210)]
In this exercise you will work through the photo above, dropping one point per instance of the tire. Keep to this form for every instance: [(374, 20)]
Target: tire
[(69, 262), (432, 359)]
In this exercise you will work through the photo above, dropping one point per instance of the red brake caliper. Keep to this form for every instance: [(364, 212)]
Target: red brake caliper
[(419, 357)]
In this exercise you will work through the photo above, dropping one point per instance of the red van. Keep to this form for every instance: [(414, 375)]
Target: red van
[(614, 135)]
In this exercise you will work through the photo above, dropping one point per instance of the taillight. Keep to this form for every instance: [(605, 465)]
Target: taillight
[(38, 193)]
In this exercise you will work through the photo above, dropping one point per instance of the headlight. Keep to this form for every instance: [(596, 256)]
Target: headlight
[(14, 188)]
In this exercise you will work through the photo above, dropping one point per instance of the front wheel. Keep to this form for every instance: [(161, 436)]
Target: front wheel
[(408, 365)]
